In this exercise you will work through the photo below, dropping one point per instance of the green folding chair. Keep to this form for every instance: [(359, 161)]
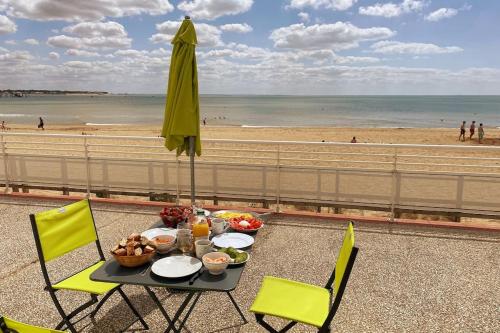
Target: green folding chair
[(8, 325), (60, 231), (306, 303)]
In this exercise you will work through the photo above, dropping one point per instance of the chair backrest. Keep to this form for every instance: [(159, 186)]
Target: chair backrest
[(343, 257), (62, 230), (341, 273), (8, 325)]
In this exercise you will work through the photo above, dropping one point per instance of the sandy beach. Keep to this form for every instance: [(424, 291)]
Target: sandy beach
[(440, 136)]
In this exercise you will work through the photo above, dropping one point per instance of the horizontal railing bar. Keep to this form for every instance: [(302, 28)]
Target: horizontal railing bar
[(44, 149), (453, 165), (450, 157), (44, 143), (252, 142)]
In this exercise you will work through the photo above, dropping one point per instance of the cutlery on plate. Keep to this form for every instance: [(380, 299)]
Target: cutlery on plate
[(196, 276)]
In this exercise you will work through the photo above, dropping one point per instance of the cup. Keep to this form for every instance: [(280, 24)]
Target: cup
[(219, 226), (202, 247)]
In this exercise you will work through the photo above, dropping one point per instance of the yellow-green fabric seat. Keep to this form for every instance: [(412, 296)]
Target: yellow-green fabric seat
[(25, 328), (305, 303), (60, 231), (301, 302), (82, 282)]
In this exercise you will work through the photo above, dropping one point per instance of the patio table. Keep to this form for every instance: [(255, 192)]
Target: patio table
[(111, 271)]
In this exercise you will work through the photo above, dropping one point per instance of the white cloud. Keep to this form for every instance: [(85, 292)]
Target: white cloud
[(393, 47), (241, 28), (130, 53), (207, 35), (7, 26), (10, 42), (391, 9), (440, 14), (96, 29), (3, 49), (54, 55), (92, 35), (316, 4), (77, 10), (304, 17), (337, 36), (15, 57), (212, 9), (31, 41), (63, 41), (81, 53), (343, 60)]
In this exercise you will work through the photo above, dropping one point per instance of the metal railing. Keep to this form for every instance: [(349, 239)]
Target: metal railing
[(392, 177)]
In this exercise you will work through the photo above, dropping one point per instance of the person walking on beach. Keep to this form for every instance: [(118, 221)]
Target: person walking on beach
[(205, 121), (354, 140), (462, 131), (3, 128), (472, 129), (40, 124), (480, 132)]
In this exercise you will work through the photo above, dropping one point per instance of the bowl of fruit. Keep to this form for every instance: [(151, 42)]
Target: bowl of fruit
[(245, 224), (173, 215)]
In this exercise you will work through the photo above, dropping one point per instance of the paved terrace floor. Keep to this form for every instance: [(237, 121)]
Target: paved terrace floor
[(406, 279)]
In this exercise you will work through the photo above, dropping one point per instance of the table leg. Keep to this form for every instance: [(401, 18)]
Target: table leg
[(237, 307), (190, 310), (158, 304), (186, 301)]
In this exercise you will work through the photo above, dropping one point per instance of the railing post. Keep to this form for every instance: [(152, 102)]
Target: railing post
[(460, 196), (87, 164), (178, 189), (278, 181), (5, 163), (394, 183)]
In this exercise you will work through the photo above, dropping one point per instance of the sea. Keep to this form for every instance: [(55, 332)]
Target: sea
[(260, 111)]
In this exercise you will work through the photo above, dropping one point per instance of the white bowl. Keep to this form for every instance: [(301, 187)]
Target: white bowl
[(162, 247), (215, 268)]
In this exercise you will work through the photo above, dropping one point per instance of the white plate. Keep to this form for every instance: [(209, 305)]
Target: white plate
[(152, 233), (176, 266), (233, 239)]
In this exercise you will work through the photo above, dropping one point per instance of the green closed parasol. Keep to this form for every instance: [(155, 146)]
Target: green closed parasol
[(181, 126)]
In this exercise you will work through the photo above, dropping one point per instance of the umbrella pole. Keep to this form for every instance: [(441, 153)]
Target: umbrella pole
[(191, 166)]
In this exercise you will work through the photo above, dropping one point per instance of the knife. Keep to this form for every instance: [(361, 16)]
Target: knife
[(197, 275)]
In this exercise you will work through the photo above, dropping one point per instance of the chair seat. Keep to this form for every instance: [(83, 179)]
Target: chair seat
[(82, 282), (300, 302), (25, 328)]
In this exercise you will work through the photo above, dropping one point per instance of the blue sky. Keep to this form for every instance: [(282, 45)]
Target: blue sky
[(255, 46)]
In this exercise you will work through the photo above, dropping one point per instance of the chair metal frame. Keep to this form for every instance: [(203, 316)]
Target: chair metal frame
[(325, 328), (66, 321), (4, 328)]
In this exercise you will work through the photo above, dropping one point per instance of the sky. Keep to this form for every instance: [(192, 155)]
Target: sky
[(272, 47)]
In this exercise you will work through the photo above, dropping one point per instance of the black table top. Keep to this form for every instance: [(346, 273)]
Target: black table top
[(111, 271)]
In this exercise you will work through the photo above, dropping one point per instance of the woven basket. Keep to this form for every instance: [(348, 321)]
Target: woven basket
[(134, 261)]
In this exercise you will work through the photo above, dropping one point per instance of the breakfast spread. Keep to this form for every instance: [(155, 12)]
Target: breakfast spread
[(134, 245)]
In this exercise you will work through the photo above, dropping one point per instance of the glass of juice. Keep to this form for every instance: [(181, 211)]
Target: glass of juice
[(200, 229)]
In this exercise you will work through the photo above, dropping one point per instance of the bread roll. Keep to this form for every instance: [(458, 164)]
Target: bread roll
[(148, 249), (120, 252)]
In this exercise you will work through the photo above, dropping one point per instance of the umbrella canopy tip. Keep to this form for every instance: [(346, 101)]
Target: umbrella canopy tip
[(187, 17)]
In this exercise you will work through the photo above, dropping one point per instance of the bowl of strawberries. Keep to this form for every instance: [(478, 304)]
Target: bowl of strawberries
[(173, 215)]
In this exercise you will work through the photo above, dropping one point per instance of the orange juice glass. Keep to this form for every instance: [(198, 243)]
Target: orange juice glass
[(200, 229)]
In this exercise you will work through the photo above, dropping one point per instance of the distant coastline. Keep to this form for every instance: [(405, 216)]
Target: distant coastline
[(33, 92)]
